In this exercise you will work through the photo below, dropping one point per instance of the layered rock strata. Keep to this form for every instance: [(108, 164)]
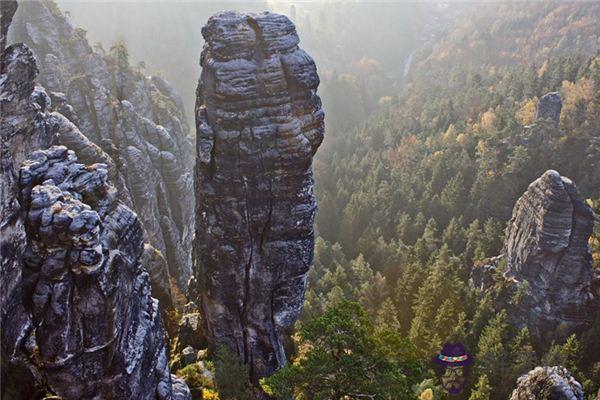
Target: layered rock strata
[(78, 319), (136, 121), (97, 328), (22, 130), (547, 383), (259, 122), (547, 254)]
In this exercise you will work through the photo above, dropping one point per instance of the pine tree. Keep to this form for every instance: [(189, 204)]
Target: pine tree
[(346, 357), (455, 235), (482, 390), (493, 353), (437, 305), (387, 316)]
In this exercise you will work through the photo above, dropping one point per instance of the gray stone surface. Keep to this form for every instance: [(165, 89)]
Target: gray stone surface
[(547, 250), (482, 274), (7, 11), (135, 120), (547, 383), (549, 107), (77, 316), (259, 122), (23, 130), (97, 328)]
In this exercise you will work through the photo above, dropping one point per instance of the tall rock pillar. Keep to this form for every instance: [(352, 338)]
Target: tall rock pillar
[(259, 122), (548, 255)]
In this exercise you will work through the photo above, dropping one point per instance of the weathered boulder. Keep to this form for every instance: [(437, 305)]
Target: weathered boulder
[(259, 122), (548, 256), (136, 121), (189, 340), (549, 107), (547, 383), (190, 332)]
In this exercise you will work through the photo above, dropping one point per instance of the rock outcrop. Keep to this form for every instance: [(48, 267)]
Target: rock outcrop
[(259, 122), (135, 121), (549, 107), (7, 12), (548, 255), (547, 383), (96, 327), (78, 319), (189, 336)]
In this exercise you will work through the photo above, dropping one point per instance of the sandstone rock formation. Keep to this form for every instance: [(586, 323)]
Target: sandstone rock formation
[(7, 11), (547, 254), (259, 122), (22, 131), (135, 121), (97, 328), (549, 107), (482, 273), (547, 383), (77, 316)]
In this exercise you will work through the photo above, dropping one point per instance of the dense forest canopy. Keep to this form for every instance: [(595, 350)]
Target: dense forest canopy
[(420, 191)]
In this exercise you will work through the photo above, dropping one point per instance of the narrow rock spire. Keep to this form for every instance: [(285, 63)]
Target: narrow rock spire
[(259, 122), (547, 250)]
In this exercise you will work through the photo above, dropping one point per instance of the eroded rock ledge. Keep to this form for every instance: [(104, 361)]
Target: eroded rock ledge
[(97, 327), (259, 122)]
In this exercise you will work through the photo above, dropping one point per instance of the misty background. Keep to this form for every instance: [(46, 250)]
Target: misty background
[(364, 47)]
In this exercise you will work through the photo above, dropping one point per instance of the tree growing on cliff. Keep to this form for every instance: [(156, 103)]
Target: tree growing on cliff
[(342, 355)]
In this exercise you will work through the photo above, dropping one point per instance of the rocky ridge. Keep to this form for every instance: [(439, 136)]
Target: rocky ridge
[(549, 107), (259, 122), (78, 319), (135, 123)]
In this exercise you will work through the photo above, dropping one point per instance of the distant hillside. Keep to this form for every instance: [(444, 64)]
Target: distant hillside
[(504, 33)]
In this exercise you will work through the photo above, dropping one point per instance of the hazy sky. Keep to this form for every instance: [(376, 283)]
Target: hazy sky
[(166, 34)]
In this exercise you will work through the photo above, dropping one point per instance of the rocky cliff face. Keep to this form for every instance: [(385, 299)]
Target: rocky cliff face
[(547, 254), (78, 319), (135, 121), (547, 383), (96, 327), (259, 122), (22, 131)]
